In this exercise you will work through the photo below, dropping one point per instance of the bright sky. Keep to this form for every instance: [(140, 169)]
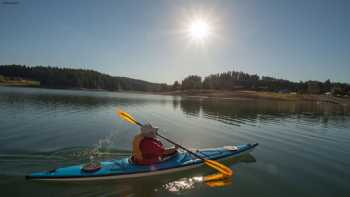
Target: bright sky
[(166, 40)]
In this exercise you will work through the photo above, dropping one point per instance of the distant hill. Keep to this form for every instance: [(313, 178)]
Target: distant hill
[(54, 77), (68, 78)]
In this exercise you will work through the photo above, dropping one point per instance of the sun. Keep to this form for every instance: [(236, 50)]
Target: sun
[(199, 30)]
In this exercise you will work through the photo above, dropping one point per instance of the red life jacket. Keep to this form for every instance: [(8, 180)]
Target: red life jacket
[(147, 150)]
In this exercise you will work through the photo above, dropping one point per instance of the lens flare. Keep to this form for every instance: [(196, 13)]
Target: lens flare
[(199, 29)]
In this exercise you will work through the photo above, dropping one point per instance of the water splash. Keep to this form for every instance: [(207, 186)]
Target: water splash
[(102, 150)]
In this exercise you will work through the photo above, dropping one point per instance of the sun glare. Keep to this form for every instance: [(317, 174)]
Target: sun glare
[(199, 27), (199, 30)]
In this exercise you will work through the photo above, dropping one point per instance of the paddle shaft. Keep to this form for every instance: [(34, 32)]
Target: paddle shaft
[(176, 144), (192, 153)]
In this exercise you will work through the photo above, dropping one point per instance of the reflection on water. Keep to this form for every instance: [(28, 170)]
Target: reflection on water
[(235, 112), (182, 184), (187, 183), (304, 146)]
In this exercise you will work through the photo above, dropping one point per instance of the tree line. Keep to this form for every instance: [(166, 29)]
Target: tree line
[(55, 77), (233, 80)]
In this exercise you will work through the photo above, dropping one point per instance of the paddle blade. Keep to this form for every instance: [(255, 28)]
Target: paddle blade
[(219, 167), (219, 183), (215, 177), (127, 117), (217, 180)]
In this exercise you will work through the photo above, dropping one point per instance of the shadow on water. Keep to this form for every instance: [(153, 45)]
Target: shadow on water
[(169, 184)]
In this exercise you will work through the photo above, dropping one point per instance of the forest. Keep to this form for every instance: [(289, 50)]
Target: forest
[(233, 80), (55, 77)]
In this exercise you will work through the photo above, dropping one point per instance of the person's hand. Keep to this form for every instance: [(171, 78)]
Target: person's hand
[(155, 131)]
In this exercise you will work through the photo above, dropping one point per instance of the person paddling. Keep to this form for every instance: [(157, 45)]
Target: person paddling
[(147, 149)]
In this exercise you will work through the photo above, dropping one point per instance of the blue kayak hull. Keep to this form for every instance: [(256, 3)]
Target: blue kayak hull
[(123, 168)]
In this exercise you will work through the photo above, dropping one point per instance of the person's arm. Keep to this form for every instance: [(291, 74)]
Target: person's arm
[(170, 151)]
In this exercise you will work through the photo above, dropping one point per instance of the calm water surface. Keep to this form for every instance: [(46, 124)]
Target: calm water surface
[(304, 147)]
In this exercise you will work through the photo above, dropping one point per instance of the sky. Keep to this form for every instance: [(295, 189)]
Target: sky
[(289, 39)]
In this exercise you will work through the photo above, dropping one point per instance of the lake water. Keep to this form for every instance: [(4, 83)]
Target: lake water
[(304, 147)]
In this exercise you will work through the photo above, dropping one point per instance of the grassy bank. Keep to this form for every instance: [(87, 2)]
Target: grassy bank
[(4, 81)]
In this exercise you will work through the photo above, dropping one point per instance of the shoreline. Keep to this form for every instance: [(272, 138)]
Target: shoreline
[(253, 95), (20, 83), (214, 94)]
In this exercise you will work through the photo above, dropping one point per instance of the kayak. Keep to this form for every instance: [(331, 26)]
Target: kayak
[(125, 168)]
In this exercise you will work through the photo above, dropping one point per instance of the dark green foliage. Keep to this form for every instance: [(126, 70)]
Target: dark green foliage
[(2, 78), (164, 87), (340, 89), (233, 80), (230, 80), (176, 86), (54, 77), (327, 86), (192, 82)]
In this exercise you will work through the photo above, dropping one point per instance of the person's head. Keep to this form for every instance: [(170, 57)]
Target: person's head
[(149, 131)]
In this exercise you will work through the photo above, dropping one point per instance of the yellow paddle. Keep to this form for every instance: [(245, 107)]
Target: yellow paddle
[(226, 171)]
